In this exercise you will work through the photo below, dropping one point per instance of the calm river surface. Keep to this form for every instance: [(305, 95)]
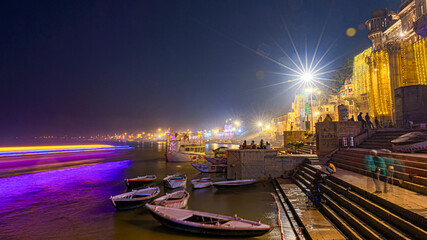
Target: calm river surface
[(72, 203)]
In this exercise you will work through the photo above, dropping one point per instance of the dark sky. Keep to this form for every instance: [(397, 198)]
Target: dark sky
[(83, 67)]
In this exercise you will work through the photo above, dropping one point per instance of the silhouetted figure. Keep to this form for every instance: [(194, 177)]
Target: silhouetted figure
[(360, 119), (261, 144), (253, 145), (267, 145), (352, 118), (368, 121), (244, 145)]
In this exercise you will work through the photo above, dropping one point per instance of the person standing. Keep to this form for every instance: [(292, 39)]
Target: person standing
[(377, 123), (360, 119), (368, 121), (372, 163), (389, 169)]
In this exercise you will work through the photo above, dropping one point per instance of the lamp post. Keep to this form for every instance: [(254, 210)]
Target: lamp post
[(310, 90)]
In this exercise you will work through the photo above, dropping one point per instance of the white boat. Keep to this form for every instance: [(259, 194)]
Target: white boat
[(207, 223), (134, 199), (234, 183), (175, 181), (201, 182), (185, 151), (210, 168), (177, 199)]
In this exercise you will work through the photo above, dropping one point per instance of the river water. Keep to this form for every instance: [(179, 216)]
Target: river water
[(73, 203)]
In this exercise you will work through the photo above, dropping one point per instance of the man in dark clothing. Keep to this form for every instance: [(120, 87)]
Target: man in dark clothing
[(360, 119)]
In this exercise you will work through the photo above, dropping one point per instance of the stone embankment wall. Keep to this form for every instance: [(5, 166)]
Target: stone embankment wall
[(261, 164), (329, 135)]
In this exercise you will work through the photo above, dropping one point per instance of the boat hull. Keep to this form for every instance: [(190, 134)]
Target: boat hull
[(201, 185), (180, 157), (135, 184), (128, 205), (210, 168), (174, 184), (178, 203), (208, 231), (224, 185)]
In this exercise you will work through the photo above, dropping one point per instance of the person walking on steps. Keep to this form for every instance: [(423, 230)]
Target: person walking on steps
[(360, 119), (368, 121), (375, 165), (389, 169)]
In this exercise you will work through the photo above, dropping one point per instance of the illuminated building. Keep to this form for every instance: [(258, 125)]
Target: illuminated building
[(398, 58)]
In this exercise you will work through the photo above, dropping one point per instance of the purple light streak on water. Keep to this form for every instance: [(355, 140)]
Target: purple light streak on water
[(39, 160), (64, 195), (15, 153)]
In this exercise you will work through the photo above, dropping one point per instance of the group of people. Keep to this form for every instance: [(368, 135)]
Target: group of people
[(366, 122), (254, 146), (378, 166)]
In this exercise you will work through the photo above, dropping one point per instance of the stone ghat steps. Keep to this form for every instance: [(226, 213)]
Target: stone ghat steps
[(352, 221), (401, 171), (358, 217), (382, 139), (394, 205), (408, 174), (417, 157)]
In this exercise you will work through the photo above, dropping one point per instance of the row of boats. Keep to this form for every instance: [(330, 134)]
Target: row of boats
[(168, 210)]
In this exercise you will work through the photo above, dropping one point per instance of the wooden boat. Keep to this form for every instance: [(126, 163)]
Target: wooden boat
[(234, 183), (175, 181), (139, 181), (177, 199), (210, 168), (201, 182), (207, 223), (216, 160), (134, 199)]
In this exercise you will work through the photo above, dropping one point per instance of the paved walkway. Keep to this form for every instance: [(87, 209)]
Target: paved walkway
[(412, 201), (316, 224)]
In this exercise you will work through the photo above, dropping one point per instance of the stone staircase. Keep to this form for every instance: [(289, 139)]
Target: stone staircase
[(360, 214), (307, 149), (410, 170), (381, 139)]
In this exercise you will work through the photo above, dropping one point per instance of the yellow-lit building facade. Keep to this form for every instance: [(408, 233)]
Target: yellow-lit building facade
[(397, 58)]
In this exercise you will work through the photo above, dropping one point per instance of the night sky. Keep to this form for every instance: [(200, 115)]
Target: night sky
[(86, 67)]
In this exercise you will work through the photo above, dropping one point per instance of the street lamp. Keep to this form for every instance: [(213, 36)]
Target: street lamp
[(311, 90)]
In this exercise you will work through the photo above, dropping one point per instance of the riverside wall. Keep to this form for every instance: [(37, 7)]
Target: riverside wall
[(261, 164)]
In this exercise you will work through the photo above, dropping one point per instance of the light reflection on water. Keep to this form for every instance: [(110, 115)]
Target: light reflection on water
[(72, 203)]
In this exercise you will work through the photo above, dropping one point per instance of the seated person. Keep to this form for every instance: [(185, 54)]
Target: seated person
[(331, 168)]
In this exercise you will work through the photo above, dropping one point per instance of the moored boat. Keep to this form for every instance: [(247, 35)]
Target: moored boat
[(177, 199), (210, 168), (184, 151), (139, 181), (216, 160), (207, 223), (175, 181), (134, 199), (234, 183), (201, 183)]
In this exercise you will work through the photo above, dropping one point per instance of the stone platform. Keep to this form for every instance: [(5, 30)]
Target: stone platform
[(316, 225)]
